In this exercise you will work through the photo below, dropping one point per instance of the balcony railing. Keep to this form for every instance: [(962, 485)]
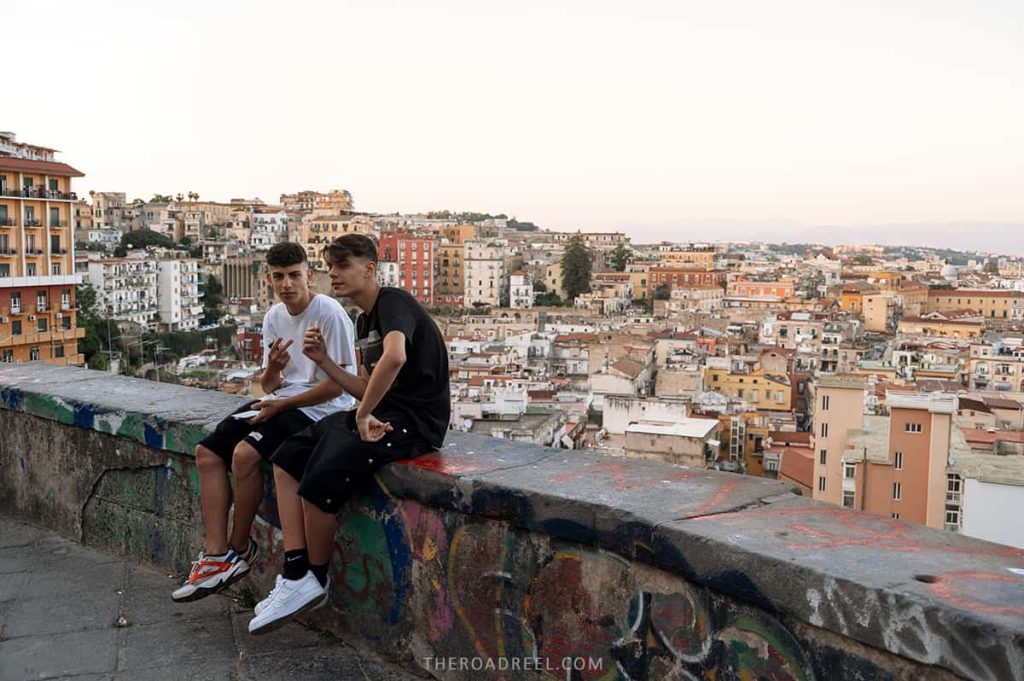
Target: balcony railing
[(6, 222), (33, 222), (59, 224), (35, 193), (8, 251), (33, 251)]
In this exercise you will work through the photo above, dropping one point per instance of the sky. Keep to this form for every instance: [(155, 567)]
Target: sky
[(882, 120)]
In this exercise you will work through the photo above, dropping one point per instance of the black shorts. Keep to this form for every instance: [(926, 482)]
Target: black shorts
[(331, 461), (264, 437)]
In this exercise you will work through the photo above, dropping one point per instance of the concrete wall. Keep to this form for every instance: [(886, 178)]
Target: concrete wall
[(508, 554)]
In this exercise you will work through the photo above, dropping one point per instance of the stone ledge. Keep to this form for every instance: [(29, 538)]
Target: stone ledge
[(932, 597)]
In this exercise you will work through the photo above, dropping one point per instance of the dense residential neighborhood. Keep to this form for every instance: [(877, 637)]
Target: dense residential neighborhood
[(888, 379)]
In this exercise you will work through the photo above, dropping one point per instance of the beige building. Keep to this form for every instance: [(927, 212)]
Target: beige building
[(688, 441), (838, 410), (881, 312), (990, 304), (484, 273), (334, 201)]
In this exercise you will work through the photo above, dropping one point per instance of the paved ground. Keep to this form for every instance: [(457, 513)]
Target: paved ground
[(70, 612)]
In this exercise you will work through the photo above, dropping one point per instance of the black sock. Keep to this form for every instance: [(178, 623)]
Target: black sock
[(320, 572), (296, 564)]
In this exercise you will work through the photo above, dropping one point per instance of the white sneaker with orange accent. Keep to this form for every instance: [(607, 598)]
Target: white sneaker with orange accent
[(209, 575)]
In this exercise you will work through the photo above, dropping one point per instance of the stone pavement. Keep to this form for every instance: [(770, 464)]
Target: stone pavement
[(70, 612)]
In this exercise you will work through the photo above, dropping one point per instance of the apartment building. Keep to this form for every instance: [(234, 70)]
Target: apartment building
[(898, 463), (334, 201), (997, 366), (838, 410), (126, 288), (694, 257), (672, 278), (320, 229), (267, 227), (108, 210), (780, 290), (520, 290), (179, 295), (415, 258), (990, 304), (757, 388), (484, 274), (37, 277)]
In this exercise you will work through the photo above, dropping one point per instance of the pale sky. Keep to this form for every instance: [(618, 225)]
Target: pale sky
[(678, 119)]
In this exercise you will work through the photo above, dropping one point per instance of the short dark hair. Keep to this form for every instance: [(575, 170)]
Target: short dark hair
[(286, 253), (350, 245)]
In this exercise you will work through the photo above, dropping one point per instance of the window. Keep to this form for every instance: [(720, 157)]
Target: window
[(58, 350), (5, 270), (824, 402), (895, 516), (822, 455), (16, 327), (780, 397), (912, 427), (897, 491), (953, 518), (41, 324), (848, 498), (30, 269), (821, 483), (849, 471), (33, 354), (66, 322), (824, 430), (754, 394), (898, 461)]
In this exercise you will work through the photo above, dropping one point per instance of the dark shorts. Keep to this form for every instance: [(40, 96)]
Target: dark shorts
[(331, 461), (264, 437)]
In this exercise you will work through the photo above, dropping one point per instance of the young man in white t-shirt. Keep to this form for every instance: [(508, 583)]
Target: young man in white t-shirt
[(298, 395)]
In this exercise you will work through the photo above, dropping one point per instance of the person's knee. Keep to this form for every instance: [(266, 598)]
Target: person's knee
[(246, 460), (207, 461)]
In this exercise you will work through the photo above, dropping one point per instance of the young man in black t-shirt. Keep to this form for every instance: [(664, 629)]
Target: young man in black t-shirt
[(404, 408)]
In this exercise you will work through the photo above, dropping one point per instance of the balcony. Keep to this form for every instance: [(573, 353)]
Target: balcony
[(6, 222), (59, 224), (32, 222), (37, 193), (8, 251), (33, 251)]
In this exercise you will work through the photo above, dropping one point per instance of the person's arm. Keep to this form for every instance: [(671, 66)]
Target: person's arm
[(350, 383), (384, 374), (321, 392)]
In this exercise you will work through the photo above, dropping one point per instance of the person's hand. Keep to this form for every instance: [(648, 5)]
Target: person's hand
[(313, 346), (278, 357), (371, 429), (267, 409)]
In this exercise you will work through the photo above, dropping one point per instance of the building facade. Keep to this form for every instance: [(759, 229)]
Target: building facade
[(37, 277)]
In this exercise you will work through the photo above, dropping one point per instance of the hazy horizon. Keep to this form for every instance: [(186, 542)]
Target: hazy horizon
[(883, 122)]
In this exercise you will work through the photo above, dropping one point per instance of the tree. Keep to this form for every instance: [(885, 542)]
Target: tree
[(620, 257), (141, 238), (662, 292), (213, 301), (576, 264), (161, 198)]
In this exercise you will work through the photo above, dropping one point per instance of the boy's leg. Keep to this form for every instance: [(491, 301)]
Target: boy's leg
[(320, 529), (245, 465), (214, 495), (289, 510)]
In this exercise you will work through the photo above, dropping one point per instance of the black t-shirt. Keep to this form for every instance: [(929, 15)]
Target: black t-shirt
[(420, 392)]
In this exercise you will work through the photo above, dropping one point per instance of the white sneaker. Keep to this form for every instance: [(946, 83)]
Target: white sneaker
[(292, 597), (270, 596)]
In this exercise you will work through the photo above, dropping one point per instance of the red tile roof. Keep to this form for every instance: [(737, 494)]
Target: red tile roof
[(22, 165)]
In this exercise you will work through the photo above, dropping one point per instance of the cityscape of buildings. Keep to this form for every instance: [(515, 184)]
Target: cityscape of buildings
[(887, 379)]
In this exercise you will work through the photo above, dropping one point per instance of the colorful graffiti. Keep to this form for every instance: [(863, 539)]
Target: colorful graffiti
[(449, 585)]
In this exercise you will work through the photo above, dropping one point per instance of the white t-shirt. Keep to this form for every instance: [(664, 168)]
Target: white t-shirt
[(301, 374)]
